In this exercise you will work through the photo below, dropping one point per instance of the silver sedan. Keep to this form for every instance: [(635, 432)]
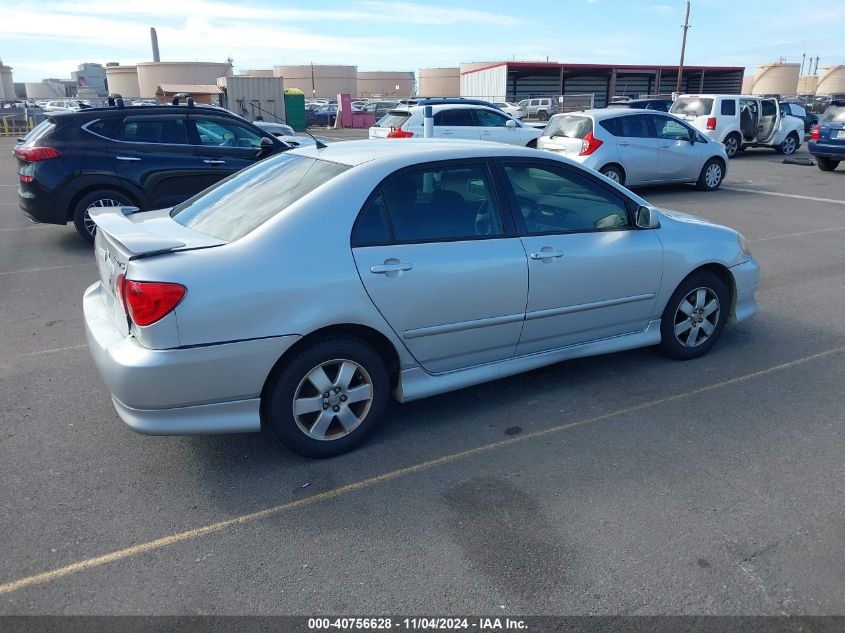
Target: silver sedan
[(300, 294)]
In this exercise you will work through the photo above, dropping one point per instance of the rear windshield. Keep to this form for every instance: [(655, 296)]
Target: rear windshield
[(39, 131), (692, 106), (834, 113), (247, 199), (393, 119), (569, 125)]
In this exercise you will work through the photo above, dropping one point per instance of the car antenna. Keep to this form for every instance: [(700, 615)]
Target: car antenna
[(317, 143)]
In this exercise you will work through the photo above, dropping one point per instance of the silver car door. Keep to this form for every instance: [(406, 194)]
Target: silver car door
[(680, 157), (637, 148), (592, 275), (440, 263)]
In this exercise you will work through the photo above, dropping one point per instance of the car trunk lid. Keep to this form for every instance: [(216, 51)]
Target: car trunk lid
[(393, 120)]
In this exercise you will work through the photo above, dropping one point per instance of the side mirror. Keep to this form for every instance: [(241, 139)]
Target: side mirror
[(510, 123), (267, 146), (647, 218)]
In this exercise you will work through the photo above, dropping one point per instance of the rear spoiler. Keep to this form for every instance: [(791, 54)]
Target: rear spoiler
[(134, 239)]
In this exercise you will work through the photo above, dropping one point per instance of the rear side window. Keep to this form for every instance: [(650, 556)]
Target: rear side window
[(169, 130), (692, 106), (247, 199), (454, 118), (769, 108), (104, 127), (570, 126), (634, 126), (729, 107), (834, 113), (394, 119)]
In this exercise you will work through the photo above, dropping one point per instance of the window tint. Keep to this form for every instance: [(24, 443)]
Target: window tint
[(833, 113), (104, 127), (488, 118), (672, 130), (245, 200), (371, 227), (569, 125), (768, 108), (394, 119), (222, 133), (692, 106), (728, 107), (442, 203), (454, 118), (151, 129), (554, 200), (636, 126)]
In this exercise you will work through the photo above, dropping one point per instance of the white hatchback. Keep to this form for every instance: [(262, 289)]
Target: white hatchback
[(457, 121), (739, 122), (637, 147)]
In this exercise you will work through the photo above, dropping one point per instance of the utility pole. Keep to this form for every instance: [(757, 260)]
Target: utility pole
[(313, 87), (683, 50)]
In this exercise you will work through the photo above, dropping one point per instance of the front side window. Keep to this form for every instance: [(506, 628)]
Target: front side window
[(167, 130), (455, 202), (247, 199), (556, 200), (454, 118), (222, 133), (672, 130), (488, 118)]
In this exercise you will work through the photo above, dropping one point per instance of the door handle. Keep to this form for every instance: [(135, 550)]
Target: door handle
[(214, 161), (390, 267), (549, 254), (623, 143), (127, 158), (664, 145), (446, 133)]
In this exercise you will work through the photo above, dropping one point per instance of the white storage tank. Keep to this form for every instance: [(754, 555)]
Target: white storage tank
[(123, 80), (831, 80), (7, 85), (320, 80), (45, 90), (386, 84), (439, 82), (152, 74), (776, 79), (807, 84)]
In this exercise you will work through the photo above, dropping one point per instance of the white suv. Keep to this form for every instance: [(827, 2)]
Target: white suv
[(739, 121), (460, 121)]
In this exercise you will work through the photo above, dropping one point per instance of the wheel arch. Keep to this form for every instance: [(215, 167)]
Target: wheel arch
[(723, 273), (85, 188), (621, 167)]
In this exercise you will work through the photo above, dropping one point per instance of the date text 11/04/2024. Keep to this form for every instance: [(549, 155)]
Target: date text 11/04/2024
[(417, 624)]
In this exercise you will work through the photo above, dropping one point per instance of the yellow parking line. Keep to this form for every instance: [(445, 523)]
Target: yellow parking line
[(780, 237), (195, 533)]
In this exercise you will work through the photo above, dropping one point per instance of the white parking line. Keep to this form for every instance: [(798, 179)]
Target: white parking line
[(38, 270), (8, 185), (27, 228), (780, 237), (51, 351), (784, 195)]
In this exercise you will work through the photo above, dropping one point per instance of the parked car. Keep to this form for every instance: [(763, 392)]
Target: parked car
[(514, 110), (637, 147), (661, 105), (379, 108), (325, 115), (276, 129), (457, 121), (740, 122), (61, 105), (827, 139), (542, 108), (148, 157), (287, 134), (793, 108), (452, 264)]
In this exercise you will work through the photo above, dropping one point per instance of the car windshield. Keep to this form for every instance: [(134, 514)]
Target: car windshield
[(570, 126), (247, 199), (692, 106), (393, 119), (834, 113)]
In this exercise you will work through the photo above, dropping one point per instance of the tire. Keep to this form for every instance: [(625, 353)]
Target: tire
[(711, 176), (100, 198), (826, 164), (543, 115), (733, 144), (614, 172), (681, 315), (789, 146), (316, 431)]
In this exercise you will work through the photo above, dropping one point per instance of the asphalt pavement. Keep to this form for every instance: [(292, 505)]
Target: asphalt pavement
[(621, 484)]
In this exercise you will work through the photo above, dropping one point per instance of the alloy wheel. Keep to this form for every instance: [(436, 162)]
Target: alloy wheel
[(789, 145), (90, 225), (731, 146), (696, 317), (333, 399)]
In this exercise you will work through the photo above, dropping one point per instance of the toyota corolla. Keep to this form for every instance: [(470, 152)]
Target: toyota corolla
[(301, 293)]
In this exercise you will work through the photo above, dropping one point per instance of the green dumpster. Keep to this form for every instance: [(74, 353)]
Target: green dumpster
[(295, 109)]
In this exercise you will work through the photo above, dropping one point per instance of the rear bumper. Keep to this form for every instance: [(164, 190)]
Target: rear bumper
[(747, 280), (39, 205), (205, 389), (836, 152)]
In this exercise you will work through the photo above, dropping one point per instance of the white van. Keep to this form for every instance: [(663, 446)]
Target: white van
[(739, 121)]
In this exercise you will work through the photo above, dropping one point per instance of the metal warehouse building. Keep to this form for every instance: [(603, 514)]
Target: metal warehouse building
[(514, 81)]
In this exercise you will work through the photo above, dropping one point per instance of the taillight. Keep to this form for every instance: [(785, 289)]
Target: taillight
[(34, 154), (398, 132), (25, 178), (711, 123), (149, 301), (589, 144), (814, 133)]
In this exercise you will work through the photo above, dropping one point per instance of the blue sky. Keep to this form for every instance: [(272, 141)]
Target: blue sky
[(50, 38)]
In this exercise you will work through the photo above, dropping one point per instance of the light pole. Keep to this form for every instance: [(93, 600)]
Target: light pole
[(683, 49)]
